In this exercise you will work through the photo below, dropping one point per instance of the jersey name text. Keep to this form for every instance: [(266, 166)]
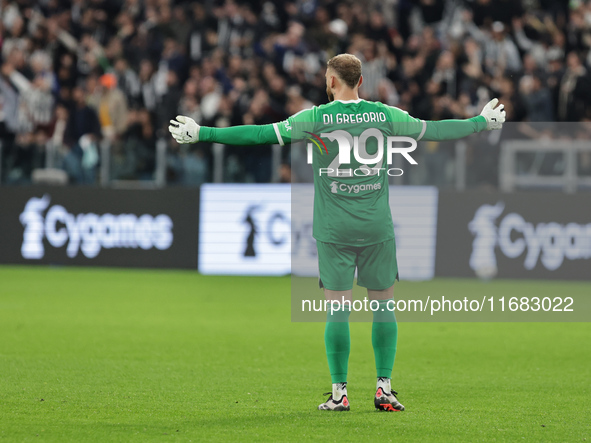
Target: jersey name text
[(366, 117)]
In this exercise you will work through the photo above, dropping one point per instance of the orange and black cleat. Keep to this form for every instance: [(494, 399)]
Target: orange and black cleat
[(332, 405), (387, 402)]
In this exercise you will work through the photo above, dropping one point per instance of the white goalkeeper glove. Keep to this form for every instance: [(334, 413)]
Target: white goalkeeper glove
[(495, 117), (184, 130)]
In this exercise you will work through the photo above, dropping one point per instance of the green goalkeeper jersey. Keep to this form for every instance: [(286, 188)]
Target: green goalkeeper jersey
[(350, 175), (351, 199)]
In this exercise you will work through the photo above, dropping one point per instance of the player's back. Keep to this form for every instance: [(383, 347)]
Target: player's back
[(348, 143)]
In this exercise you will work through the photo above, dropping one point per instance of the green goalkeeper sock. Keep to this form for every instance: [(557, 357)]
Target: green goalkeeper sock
[(384, 335), (338, 344)]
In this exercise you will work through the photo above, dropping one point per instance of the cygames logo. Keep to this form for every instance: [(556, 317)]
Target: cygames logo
[(335, 187)]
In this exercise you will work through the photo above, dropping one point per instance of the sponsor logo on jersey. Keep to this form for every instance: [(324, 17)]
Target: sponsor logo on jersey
[(90, 232), (336, 187), (548, 243)]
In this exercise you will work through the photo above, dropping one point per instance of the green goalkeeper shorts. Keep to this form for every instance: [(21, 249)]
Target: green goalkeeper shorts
[(377, 268)]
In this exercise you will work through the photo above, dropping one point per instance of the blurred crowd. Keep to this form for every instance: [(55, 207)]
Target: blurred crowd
[(82, 74)]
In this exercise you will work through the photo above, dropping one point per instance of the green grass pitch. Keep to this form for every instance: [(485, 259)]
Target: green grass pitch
[(128, 355)]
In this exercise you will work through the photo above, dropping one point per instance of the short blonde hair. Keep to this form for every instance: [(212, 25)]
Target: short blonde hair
[(347, 67)]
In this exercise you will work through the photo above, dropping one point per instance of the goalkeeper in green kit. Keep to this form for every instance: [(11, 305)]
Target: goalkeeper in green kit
[(354, 144)]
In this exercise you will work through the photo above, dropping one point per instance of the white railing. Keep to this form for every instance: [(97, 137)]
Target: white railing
[(509, 177), (159, 180), (569, 181), (219, 160), (460, 165)]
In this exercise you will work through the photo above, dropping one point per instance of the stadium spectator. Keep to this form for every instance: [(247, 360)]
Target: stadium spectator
[(82, 133), (537, 99), (111, 106), (573, 90)]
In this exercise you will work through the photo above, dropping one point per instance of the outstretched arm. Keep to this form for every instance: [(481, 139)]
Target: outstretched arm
[(452, 129), (491, 117), (185, 130), (240, 135)]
